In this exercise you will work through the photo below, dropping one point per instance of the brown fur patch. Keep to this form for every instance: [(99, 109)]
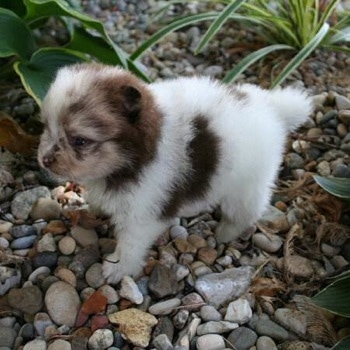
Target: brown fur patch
[(204, 152)]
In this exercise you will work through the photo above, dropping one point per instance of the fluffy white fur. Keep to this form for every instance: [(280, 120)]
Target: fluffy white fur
[(251, 124)]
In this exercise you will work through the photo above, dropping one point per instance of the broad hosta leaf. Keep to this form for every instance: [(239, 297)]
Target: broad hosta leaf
[(251, 59), (218, 23), (338, 187), (15, 37), (301, 56), (344, 344), (37, 74), (335, 297), (15, 6), (47, 8)]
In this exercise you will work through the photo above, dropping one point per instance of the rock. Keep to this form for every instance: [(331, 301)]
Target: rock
[(239, 311), (22, 231), (314, 132), (41, 321), (84, 237), (60, 344), (164, 326), (216, 327), (36, 344), (28, 300), (266, 343), (94, 276), (342, 102), (135, 325), (110, 293), (22, 203), (27, 332), (210, 342), (180, 319), (67, 245), (344, 116), (7, 337), (271, 329), (23, 242), (186, 335), (178, 231), (46, 243), (43, 270), (163, 281), (46, 209), (293, 320), (274, 219), (209, 313), (130, 290), (323, 168), (46, 258), (299, 266), (207, 255), (324, 118), (181, 272), (341, 170), (6, 226), (300, 146), (192, 301), (183, 246), (4, 243), (164, 307), (269, 243), (242, 338), (66, 275), (101, 339), (62, 303), (294, 161), (218, 288), (162, 342), (213, 71)]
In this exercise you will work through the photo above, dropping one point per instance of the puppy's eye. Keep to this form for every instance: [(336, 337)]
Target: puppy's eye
[(79, 141)]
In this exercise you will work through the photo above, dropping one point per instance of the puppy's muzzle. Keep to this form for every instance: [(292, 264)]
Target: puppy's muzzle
[(48, 159)]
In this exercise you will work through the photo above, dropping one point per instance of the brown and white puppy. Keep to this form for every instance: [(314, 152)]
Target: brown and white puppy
[(150, 153)]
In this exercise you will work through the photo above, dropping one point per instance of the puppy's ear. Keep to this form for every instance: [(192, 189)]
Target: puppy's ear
[(132, 102)]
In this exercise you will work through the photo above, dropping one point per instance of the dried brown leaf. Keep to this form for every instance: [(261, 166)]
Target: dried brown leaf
[(14, 138), (267, 287), (84, 218), (328, 205)]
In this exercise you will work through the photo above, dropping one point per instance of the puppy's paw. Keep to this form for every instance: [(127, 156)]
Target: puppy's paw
[(226, 232), (115, 267)]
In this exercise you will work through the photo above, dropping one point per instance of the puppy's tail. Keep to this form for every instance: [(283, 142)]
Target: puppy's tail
[(293, 106)]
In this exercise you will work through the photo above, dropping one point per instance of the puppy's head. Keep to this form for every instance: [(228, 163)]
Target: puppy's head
[(100, 121)]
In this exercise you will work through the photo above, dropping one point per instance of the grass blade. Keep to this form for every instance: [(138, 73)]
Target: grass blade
[(343, 344), (160, 34), (301, 56), (251, 59), (218, 23)]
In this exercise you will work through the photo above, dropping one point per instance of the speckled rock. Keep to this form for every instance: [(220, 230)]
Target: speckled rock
[(101, 339), (210, 342), (28, 299), (46, 209)]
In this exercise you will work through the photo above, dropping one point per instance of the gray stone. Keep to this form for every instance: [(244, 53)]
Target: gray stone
[(23, 242), (274, 219), (62, 303), (46, 243), (130, 290), (180, 319), (265, 343), (269, 243), (162, 342), (218, 288), (324, 118), (101, 339), (292, 320), (210, 342), (22, 231), (164, 307), (163, 281), (46, 209), (242, 338), (216, 327), (46, 258), (41, 321), (4, 243), (271, 329), (36, 344), (28, 299), (344, 116), (239, 311), (209, 313), (324, 168), (60, 344), (342, 102), (341, 170), (178, 231), (7, 336), (94, 276), (84, 237), (22, 203), (43, 270)]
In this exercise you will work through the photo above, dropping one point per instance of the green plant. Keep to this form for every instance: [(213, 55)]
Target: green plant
[(36, 64), (339, 187), (335, 298), (299, 26)]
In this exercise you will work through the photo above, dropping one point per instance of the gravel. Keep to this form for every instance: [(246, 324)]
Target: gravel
[(194, 293)]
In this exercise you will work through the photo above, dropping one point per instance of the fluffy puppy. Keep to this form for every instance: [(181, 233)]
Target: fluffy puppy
[(150, 153)]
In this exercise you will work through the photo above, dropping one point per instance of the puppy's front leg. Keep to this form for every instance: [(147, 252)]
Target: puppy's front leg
[(129, 255)]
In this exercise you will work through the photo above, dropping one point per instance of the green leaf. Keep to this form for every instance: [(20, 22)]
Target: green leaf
[(15, 37), (339, 187), (301, 56), (335, 297), (37, 75), (37, 9), (343, 344), (15, 6), (342, 35), (251, 59), (218, 23), (178, 24)]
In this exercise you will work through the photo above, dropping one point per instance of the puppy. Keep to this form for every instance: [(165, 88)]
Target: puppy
[(150, 153)]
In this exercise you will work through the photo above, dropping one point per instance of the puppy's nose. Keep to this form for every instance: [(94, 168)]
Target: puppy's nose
[(48, 160)]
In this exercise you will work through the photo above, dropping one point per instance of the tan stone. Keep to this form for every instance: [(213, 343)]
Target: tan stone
[(135, 325)]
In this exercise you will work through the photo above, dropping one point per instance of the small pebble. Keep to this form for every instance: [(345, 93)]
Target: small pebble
[(67, 245), (210, 342), (101, 339), (164, 307), (130, 291)]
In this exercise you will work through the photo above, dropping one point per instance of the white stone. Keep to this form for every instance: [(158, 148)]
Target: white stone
[(210, 342), (101, 339), (164, 307), (129, 290), (60, 344), (36, 344), (239, 311)]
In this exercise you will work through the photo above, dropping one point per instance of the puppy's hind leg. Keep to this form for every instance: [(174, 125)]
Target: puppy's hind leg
[(229, 229)]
